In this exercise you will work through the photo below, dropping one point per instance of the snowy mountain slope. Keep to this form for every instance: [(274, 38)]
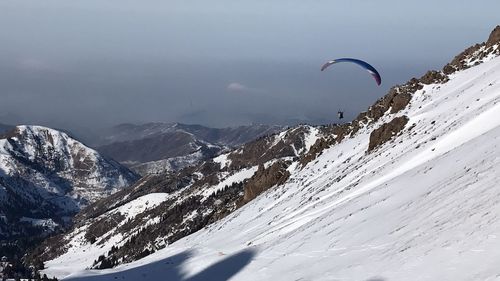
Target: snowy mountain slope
[(47, 176), (420, 206), (192, 198)]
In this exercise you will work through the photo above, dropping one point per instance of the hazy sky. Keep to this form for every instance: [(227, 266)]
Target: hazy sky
[(85, 63)]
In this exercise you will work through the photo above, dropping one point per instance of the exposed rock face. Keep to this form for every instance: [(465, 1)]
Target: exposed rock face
[(494, 37), (475, 54), (264, 179), (433, 76), (400, 96), (386, 132), (396, 100), (266, 149), (332, 134)]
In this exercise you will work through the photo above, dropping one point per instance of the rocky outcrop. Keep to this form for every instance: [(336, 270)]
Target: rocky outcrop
[(268, 148), (400, 96), (494, 37), (332, 134), (386, 132), (264, 179), (396, 100), (475, 54), (433, 77)]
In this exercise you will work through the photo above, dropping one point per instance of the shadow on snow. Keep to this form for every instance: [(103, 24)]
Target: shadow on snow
[(170, 269)]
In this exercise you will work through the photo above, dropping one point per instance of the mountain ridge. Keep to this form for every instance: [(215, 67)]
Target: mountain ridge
[(157, 147), (46, 177)]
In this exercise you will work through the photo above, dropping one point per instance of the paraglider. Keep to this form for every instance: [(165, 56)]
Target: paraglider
[(340, 114), (361, 63)]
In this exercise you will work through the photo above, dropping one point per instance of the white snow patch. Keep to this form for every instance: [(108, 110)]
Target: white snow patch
[(229, 180), (48, 223), (223, 160), (141, 204), (310, 138)]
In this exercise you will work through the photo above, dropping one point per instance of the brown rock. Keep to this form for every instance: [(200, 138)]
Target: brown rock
[(264, 179), (448, 69), (385, 132), (433, 76), (494, 37), (400, 101), (260, 151)]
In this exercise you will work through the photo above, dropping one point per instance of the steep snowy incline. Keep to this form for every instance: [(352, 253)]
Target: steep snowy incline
[(45, 175), (54, 163), (104, 235), (423, 206)]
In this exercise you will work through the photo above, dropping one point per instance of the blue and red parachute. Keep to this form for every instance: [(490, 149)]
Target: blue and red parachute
[(361, 63)]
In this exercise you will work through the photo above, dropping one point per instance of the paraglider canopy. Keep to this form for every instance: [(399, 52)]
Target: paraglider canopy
[(361, 63)]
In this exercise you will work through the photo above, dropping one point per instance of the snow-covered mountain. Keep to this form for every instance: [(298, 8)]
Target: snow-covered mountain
[(407, 191), (202, 194), (46, 177), (156, 147)]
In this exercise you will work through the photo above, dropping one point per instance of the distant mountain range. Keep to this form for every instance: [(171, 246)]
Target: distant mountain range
[(157, 147)]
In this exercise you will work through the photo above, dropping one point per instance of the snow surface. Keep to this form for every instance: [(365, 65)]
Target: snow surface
[(169, 164), (425, 206), (223, 160), (141, 204), (48, 223), (237, 177), (311, 138), (81, 254)]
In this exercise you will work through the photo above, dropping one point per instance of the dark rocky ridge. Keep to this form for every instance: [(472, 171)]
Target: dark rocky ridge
[(478, 52), (386, 132), (264, 179), (494, 37), (399, 96)]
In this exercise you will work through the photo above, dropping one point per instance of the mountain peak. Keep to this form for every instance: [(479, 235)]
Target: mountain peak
[(494, 37), (46, 174)]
